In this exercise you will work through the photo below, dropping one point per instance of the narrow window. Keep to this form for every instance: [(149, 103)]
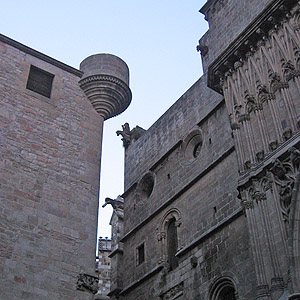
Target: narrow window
[(140, 254), (40, 81), (172, 243)]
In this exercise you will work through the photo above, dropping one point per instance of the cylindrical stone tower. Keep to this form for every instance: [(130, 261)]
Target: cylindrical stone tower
[(105, 82)]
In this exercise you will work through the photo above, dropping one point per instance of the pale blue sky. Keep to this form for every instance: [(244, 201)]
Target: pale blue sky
[(157, 39)]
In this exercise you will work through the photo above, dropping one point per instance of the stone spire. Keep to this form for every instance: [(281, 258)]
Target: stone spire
[(105, 82)]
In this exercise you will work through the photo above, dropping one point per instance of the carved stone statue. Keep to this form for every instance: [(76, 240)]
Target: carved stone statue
[(117, 203), (130, 135), (87, 282), (126, 135)]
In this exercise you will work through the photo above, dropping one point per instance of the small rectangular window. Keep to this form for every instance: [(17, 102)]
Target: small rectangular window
[(40, 81), (140, 254)]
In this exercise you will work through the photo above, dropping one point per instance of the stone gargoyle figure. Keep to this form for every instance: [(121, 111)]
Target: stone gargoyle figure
[(126, 135), (130, 135), (117, 203)]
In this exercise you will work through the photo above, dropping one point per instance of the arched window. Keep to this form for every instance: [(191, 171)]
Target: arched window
[(172, 244), (169, 238), (227, 293), (223, 289)]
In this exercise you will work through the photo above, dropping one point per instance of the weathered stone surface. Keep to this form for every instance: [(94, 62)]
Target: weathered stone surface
[(225, 172), (103, 267), (50, 158)]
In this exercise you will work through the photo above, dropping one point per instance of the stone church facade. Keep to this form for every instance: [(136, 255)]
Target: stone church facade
[(211, 207)]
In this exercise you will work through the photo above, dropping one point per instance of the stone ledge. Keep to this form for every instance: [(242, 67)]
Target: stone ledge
[(141, 280), (114, 292), (209, 232), (116, 251)]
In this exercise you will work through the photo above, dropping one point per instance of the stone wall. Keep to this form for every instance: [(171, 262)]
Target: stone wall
[(103, 267), (236, 223), (227, 20), (50, 159), (170, 129), (200, 187)]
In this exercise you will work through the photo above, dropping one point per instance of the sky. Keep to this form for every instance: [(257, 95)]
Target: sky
[(157, 39)]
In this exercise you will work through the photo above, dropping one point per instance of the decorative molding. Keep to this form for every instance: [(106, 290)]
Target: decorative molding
[(144, 189), (269, 158), (191, 147), (246, 43), (87, 282), (109, 95), (161, 233), (221, 283), (108, 78), (285, 173)]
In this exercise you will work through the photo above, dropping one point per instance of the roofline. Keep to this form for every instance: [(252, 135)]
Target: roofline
[(40, 55)]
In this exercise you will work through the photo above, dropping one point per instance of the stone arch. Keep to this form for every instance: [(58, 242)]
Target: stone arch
[(223, 288), (173, 215)]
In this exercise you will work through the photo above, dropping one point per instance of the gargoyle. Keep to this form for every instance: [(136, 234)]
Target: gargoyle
[(130, 135), (126, 135), (115, 203)]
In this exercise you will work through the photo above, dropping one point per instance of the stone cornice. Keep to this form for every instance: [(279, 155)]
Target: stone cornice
[(109, 78), (108, 94), (40, 55), (247, 41), (136, 283)]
